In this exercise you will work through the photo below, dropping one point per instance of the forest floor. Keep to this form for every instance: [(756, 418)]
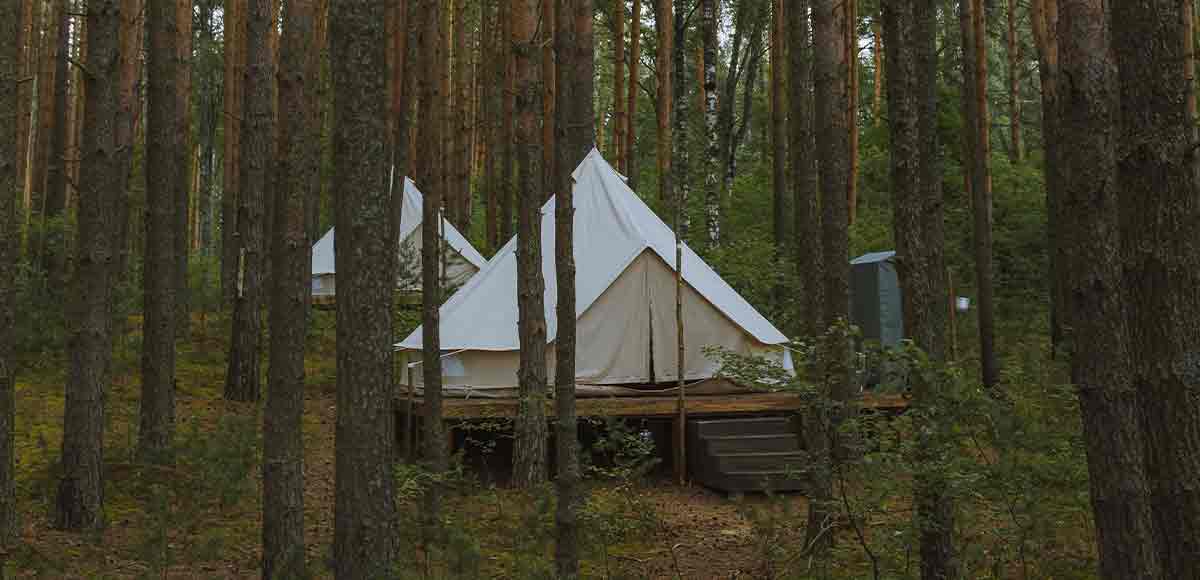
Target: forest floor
[(201, 517)]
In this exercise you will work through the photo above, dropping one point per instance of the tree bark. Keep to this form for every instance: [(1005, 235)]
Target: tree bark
[(712, 166), (364, 542), (807, 203), (877, 55), (1091, 276), (54, 233), (910, 32), (529, 448), (662, 65), (80, 500), (851, 47), (209, 116), (183, 167), (830, 69), (130, 110), (1160, 221), (27, 44), (546, 27), (981, 185), (283, 445), (243, 381), (1043, 16), (489, 60), (576, 63), (635, 56), (509, 126), (12, 67), (619, 120), (400, 100), (462, 100), (1016, 141), (681, 133), (429, 171), (41, 200), (234, 21), (157, 408), (779, 157)]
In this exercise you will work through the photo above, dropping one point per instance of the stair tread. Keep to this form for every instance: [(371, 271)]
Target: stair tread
[(745, 420), (751, 473), (753, 436), (756, 453)]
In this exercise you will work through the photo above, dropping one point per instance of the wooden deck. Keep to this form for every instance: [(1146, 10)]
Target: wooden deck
[(729, 404)]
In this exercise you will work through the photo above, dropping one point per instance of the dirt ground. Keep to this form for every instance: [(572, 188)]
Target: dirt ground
[(159, 526)]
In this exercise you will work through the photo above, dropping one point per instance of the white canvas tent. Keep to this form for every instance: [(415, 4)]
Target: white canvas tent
[(625, 287), (462, 259)]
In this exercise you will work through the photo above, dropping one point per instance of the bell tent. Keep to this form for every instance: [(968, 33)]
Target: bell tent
[(462, 260), (625, 304)]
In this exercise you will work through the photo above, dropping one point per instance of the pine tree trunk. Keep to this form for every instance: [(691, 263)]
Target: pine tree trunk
[(157, 408), (462, 100), (529, 447), (268, 207), (365, 542), (1091, 275), (183, 172), (779, 156), (981, 191), (12, 67), (243, 381), (54, 235), (1160, 221), (75, 98), (712, 165), (321, 109), (1013, 52), (234, 22), (549, 88), (680, 116), (662, 65), (830, 68), (487, 63), (576, 63), (619, 97), (877, 55), (635, 55), (40, 199), (27, 45), (429, 170), (80, 500), (400, 99), (283, 447), (851, 46), (488, 84), (208, 115), (910, 31), (508, 134), (806, 200), (1187, 15), (450, 193), (131, 38)]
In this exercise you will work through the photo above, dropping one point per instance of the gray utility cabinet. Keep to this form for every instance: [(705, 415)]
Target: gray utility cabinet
[(875, 305)]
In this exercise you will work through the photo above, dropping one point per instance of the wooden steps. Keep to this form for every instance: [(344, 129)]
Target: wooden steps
[(746, 454)]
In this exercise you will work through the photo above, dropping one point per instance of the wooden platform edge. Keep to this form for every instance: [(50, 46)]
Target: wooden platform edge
[(483, 408)]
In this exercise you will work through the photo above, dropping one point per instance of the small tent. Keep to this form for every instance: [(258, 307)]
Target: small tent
[(462, 260), (625, 302), (875, 305)]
